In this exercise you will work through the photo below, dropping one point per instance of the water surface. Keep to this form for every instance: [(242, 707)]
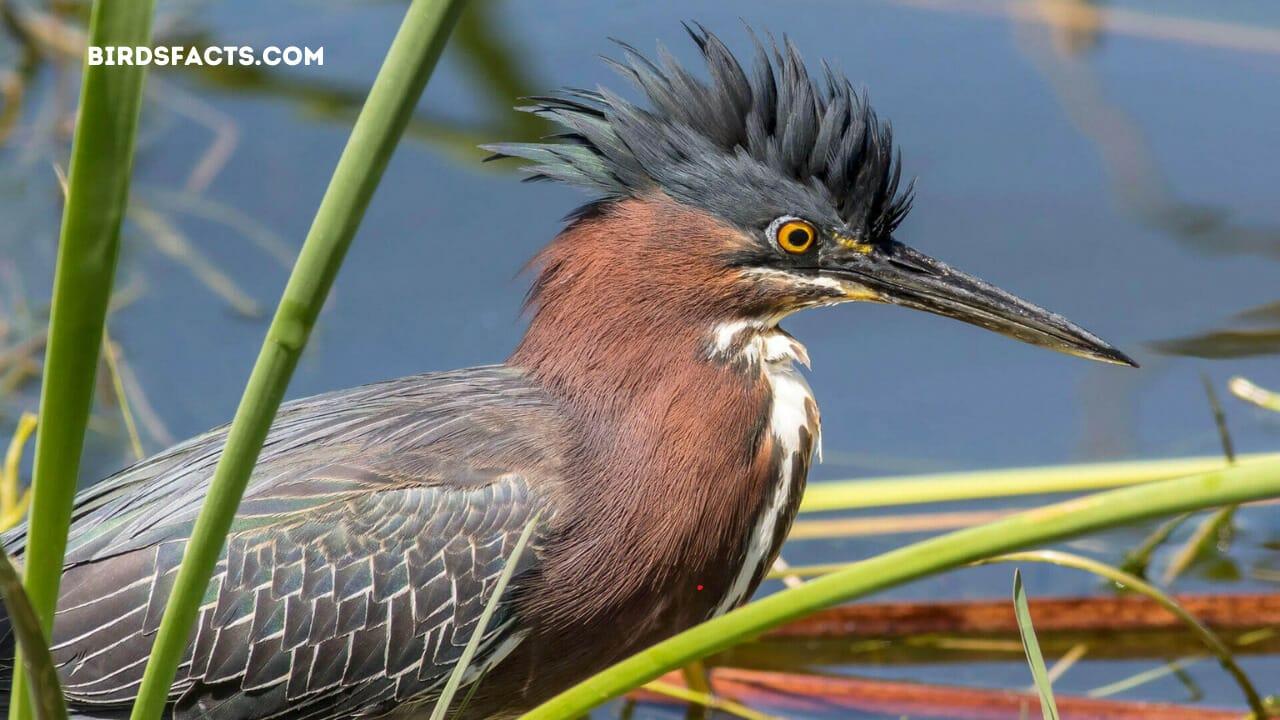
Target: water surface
[(1122, 178)]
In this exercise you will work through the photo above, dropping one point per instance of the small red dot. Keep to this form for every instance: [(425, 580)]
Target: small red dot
[(699, 587)]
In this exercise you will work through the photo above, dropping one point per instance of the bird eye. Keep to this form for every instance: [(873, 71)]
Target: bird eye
[(795, 236)]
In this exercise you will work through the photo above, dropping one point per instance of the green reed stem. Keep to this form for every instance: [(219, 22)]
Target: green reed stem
[(1006, 482), (404, 73), (1238, 484), (88, 247)]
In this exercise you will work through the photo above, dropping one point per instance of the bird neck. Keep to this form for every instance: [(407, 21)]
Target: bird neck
[(624, 303), (678, 476)]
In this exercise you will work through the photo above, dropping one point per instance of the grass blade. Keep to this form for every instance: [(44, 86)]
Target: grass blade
[(13, 503), (47, 701), (1031, 646), (88, 247), (404, 73), (1203, 541), (704, 699), (1137, 584), (469, 652), (1218, 526), (1256, 394)]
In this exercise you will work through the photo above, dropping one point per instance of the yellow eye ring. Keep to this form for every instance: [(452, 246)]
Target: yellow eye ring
[(796, 236)]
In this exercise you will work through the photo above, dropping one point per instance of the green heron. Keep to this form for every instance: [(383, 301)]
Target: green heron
[(651, 417)]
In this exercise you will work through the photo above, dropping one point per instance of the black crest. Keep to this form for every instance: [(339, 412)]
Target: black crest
[(743, 145)]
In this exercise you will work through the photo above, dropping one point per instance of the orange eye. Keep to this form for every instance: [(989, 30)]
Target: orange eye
[(796, 236)]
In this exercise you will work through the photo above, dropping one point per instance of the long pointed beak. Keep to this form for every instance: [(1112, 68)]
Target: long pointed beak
[(894, 273)]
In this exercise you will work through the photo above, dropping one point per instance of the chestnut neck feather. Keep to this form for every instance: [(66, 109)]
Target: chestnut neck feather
[(624, 297), (671, 459)]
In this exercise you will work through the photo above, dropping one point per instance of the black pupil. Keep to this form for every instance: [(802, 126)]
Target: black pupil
[(798, 237)]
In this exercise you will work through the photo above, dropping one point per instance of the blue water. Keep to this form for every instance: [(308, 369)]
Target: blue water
[(1129, 184)]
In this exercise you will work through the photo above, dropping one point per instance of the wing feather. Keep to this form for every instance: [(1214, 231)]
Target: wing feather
[(372, 531)]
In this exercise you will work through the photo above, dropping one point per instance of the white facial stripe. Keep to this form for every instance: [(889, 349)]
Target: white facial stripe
[(817, 281)]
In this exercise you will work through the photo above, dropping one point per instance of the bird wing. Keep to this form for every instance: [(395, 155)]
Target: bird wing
[(373, 530)]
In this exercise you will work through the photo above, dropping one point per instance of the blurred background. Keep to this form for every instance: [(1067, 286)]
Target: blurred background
[(1117, 162)]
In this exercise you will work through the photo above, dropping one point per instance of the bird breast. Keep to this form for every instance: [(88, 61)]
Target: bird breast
[(795, 431)]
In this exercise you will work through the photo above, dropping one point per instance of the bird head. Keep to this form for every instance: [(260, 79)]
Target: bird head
[(747, 196)]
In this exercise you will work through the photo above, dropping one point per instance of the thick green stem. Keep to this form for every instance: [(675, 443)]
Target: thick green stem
[(1036, 527), (395, 92), (88, 247)]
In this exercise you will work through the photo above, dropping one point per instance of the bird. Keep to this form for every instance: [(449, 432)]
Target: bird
[(652, 430)]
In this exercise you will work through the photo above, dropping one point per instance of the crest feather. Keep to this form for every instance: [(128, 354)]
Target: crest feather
[(819, 134)]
